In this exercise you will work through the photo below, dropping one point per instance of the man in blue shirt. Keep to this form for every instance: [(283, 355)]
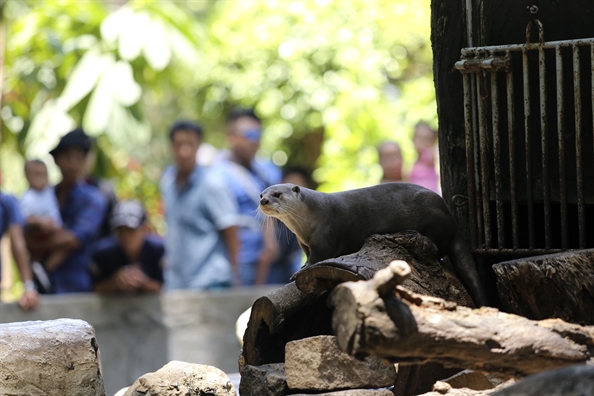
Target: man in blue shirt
[(247, 176), (201, 241), (12, 222), (130, 261), (82, 208)]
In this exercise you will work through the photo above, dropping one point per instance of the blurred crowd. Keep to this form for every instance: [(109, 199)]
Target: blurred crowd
[(76, 236)]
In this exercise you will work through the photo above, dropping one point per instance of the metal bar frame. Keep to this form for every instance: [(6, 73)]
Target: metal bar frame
[(474, 64), (561, 145)]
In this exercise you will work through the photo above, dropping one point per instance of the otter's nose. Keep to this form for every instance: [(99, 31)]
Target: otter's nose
[(264, 201)]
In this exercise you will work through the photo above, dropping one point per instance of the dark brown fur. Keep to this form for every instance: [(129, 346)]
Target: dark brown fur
[(333, 225)]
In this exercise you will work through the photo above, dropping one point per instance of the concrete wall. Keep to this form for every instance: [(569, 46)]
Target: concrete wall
[(139, 334)]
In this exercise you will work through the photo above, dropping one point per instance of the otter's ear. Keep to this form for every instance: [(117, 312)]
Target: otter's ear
[(296, 189)]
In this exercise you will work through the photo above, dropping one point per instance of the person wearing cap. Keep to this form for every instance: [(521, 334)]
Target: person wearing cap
[(201, 241), (82, 208), (131, 260), (246, 176)]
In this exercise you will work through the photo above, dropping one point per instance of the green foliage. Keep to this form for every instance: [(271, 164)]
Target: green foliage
[(356, 72)]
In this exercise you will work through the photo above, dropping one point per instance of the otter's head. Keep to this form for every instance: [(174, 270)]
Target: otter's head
[(280, 201)]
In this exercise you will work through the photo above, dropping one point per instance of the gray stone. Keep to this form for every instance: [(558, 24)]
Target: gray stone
[(181, 378), (575, 380), (139, 334), (353, 392), (264, 380), (470, 379), (54, 357), (316, 364), (443, 388)]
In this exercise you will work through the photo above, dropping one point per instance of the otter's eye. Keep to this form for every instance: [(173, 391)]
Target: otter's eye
[(277, 194), (261, 195)]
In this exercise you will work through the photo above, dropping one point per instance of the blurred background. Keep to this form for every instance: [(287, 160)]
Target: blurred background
[(331, 79)]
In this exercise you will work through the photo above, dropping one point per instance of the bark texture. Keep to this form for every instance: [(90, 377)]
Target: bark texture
[(552, 286), (404, 327), (428, 275), (298, 309), (284, 315)]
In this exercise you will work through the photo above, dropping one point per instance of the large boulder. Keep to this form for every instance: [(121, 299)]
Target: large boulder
[(316, 364), (54, 357), (179, 378)]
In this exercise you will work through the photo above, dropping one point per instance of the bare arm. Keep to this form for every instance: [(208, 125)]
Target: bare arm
[(268, 254), (29, 299), (128, 279), (230, 236), (63, 239)]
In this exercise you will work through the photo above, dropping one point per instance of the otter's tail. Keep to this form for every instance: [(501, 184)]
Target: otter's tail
[(462, 260)]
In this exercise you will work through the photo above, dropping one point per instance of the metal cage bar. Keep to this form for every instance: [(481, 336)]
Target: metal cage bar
[(527, 117), (561, 144), (484, 168), (509, 80), (497, 161), (470, 154), (577, 98), (489, 193), (546, 189)]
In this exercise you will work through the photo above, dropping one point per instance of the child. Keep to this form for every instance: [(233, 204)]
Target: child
[(42, 213), (423, 172)]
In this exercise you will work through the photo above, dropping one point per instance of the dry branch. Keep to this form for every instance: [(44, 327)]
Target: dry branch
[(408, 328)]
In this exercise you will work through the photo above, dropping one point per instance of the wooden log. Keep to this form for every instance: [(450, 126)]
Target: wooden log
[(54, 357), (428, 275), (551, 286), (407, 328), (286, 314), (299, 310)]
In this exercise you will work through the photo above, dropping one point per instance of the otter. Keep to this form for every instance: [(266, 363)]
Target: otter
[(337, 224)]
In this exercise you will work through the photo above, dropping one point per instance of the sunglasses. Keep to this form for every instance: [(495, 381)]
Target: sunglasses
[(253, 135)]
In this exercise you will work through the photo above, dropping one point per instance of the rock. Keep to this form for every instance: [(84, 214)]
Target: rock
[(316, 364), (264, 380), (574, 380), (181, 378), (470, 379), (551, 286), (443, 388), (352, 392), (54, 357)]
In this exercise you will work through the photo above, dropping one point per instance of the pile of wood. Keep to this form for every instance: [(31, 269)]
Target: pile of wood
[(395, 301)]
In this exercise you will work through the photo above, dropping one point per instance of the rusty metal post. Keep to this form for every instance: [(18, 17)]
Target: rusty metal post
[(470, 158), (497, 161), (527, 117), (484, 168), (546, 187), (578, 145), (509, 79), (561, 143)]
